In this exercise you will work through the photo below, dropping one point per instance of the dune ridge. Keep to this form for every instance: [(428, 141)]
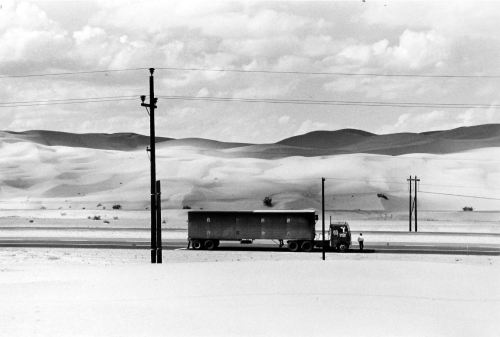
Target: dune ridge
[(35, 173), (316, 143)]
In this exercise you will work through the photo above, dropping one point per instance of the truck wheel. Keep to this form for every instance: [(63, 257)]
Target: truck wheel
[(196, 244), (210, 244), (293, 246), (307, 246), (342, 247), (217, 243)]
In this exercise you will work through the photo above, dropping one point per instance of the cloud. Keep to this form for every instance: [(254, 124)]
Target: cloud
[(416, 50), (29, 40), (441, 120), (284, 120), (283, 36), (309, 125)]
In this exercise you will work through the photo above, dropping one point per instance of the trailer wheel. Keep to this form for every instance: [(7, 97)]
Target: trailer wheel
[(196, 244), (217, 243), (210, 244), (307, 246), (293, 246), (342, 247)]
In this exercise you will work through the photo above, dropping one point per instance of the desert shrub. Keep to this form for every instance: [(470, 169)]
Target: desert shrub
[(117, 206), (89, 217), (43, 207), (268, 201), (31, 220), (106, 221), (115, 218), (186, 207), (96, 217), (99, 205)]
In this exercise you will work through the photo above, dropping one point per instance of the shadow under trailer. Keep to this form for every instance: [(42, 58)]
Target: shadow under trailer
[(206, 229)]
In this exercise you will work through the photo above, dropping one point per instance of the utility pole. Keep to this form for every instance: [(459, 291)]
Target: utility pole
[(159, 247), (410, 211), (323, 215), (413, 206), (152, 138), (416, 215)]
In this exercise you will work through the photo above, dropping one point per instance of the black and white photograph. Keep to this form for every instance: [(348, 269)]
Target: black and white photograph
[(249, 168)]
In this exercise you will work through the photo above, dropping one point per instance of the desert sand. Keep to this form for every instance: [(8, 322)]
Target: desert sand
[(59, 292), (44, 170)]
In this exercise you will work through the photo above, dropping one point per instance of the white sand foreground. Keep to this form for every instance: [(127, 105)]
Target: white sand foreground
[(63, 292)]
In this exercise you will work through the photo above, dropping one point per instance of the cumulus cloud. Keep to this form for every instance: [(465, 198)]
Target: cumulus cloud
[(282, 36), (440, 120), (284, 120), (415, 50), (309, 125)]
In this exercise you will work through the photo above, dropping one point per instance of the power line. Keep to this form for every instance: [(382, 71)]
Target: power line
[(72, 73), (67, 101), (327, 73), (329, 102), (260, 100), (461, 195), (256, 71)]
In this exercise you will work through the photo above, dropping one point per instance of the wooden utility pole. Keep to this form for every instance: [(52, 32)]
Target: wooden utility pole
[(323, 245), (152, 139), (413, 206), (416, 204), (410, 211)]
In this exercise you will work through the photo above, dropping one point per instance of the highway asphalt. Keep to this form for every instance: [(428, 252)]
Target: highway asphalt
[(172, 244)]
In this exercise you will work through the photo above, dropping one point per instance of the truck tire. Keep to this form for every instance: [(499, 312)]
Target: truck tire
[(342, 247), (307, 246), (210, 244), (293, 246), (217, 243), (197, 244)]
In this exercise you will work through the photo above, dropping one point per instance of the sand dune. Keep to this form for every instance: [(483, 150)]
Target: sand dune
[(216, 175), (115, 141)]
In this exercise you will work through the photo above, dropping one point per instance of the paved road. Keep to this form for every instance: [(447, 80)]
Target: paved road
[(393, 247), (166, 230)]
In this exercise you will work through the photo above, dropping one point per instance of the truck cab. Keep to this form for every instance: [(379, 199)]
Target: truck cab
[(340, 236)]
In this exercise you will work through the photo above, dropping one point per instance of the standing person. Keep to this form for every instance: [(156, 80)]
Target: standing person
[(361, 241)]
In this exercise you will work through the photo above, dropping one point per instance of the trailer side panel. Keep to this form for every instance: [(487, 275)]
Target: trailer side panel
[(251, 225)]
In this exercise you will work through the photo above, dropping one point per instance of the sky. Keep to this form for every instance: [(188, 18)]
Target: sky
[(335, 38)]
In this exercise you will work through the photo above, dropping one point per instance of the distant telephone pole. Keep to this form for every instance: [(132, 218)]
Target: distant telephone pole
[(152, 138), (413, 205)]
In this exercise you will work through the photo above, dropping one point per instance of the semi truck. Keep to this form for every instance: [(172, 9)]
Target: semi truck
[(206, 229)]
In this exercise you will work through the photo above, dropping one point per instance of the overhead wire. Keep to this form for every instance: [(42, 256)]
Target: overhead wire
[(335, 102), (460, 195), (257, 100), (67, 101), (263, 71), (257, 71), (70, 73)]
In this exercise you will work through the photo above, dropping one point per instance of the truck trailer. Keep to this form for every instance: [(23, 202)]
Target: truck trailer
[(206, 229)]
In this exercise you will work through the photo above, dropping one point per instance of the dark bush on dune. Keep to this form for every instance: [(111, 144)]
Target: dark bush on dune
[(268, 201)]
